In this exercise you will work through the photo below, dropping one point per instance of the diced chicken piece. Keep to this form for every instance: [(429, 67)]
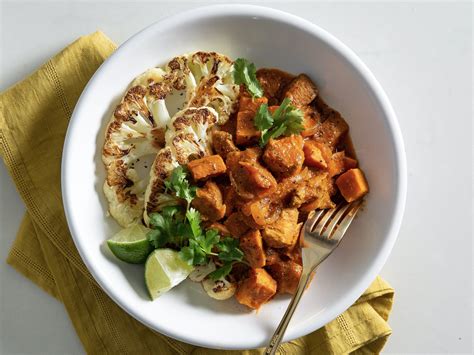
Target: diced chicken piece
[(332, 130), (352, 185), (317, 195), (284, 156), (311, 121), (248, 177), (252, 104), (301, 91), (256, 289), (295, 254), (350, 163), (246, 133), (252, 246), (207, 167), (273, 256), (208, 202), (287, 186), (284, 232), (223, 231), (236, 225), (223, 144), (287, 275), (336, 165), (306, 187), (313, 156), (273, 81)]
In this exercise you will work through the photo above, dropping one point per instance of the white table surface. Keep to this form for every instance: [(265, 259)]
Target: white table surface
[(421, 54)]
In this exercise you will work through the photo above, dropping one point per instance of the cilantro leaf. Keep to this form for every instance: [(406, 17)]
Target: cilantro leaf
[(222, 272), (286, 120), (167, 227), (187, 255), (245, 73), (212, 238), (263, 119), (194, 218), (229, 250), (179, 184)]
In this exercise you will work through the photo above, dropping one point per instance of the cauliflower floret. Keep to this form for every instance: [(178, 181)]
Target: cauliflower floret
[(147, 119), (188, 137), (187, 134), (216, 86)]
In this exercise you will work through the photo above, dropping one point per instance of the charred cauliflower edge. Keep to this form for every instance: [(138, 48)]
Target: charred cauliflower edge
[(142, 124)]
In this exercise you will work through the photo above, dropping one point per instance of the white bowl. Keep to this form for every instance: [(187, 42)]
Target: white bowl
[(269, 38)]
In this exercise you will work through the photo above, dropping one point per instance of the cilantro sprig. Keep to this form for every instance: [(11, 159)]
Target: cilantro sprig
[(245, 73), (179, 227), (179, 184), (204, 245), (286, 120)]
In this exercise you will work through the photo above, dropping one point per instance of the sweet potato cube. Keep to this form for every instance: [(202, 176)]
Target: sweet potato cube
[(313, 155), (301, 91), (336, 165), (256, 289), (207, 167), (284, 231), (252, 246), (352, 184), (247, 103), (246, 132), (350, 163)]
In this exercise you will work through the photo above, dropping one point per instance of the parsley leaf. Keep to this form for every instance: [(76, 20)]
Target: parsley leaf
[(222, 272), (286, 120), (245, 73)]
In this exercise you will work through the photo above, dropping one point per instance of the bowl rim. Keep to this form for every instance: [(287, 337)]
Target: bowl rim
[(215, 11)]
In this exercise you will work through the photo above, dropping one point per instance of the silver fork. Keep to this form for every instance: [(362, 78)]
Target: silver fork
[(322, 233)]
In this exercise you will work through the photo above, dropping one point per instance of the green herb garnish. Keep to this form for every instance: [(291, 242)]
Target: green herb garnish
[(175, 226), (286, 120), (245, 73), (167, 227), (179, 184)]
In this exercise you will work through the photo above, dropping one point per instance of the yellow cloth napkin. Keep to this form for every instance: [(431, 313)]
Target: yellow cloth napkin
[(34, 115)]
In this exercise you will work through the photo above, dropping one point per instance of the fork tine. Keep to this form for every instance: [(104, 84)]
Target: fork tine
[(341, 229), (327, 217), (335, 220), (313, 220)]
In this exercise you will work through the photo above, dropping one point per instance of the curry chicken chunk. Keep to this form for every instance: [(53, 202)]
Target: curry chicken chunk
[(261, 194)]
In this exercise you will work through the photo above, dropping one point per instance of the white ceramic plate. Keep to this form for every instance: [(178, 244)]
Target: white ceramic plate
[(269, 38)]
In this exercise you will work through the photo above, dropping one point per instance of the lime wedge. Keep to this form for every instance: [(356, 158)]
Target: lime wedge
[(164, 269), (130, 244)]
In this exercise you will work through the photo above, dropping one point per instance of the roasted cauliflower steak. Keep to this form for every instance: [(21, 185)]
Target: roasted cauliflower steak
[(168, 112)]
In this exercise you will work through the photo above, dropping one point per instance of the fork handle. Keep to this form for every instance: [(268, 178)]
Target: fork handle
[(280, 331)]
